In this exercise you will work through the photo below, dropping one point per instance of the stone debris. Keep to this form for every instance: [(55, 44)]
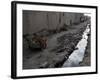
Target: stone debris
[(44, 65), (59, 47)]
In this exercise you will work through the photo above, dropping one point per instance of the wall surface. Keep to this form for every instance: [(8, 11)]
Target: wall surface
[(5, 40), (35, 21)]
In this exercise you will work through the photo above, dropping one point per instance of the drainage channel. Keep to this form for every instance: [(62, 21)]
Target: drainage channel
[(77, 56)]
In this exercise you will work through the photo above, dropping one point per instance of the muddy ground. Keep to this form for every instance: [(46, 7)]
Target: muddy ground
[(59, 47)]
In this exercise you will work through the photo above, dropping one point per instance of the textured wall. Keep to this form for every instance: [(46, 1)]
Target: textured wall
[(34, 21), (71, 18)]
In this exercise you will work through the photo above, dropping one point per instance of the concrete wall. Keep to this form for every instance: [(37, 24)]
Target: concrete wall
[(72, 18), (78, 17), (55, 20), (34, 21), (69, 18)]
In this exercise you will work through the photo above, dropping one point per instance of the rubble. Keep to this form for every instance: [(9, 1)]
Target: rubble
[(59, 47)]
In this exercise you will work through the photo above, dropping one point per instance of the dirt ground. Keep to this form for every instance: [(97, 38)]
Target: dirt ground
[(59, 47)]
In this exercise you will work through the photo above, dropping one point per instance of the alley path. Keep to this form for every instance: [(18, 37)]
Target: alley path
[(47, 58)]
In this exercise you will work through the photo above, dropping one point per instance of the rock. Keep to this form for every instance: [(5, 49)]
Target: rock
[(44, 65)]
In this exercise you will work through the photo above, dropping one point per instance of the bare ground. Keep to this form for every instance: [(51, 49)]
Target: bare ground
[(59, 46)]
